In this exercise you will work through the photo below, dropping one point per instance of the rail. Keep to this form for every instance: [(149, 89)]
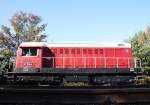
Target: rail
[(70, 95)]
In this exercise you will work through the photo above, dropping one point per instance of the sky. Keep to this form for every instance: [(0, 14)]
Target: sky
[(95, 21)]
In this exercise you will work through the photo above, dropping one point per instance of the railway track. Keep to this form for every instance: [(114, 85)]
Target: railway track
[(25, 95)]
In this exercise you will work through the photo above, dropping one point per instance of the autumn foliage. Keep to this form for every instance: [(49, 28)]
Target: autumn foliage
[(25, 27)]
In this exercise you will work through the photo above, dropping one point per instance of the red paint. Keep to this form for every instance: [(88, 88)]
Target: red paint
[(77, 57)]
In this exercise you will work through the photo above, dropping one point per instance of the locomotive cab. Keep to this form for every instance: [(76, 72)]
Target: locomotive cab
[(29, 57)]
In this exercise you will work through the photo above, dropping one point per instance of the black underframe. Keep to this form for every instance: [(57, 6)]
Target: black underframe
[(76, 72)]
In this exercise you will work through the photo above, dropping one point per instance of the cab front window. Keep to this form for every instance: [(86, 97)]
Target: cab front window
[(29, 51)]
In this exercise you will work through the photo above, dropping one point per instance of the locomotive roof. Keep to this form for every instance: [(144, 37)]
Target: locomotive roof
[(33, 44), (43, 44)]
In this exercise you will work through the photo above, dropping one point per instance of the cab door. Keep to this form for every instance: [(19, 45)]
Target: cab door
[(48, 60)]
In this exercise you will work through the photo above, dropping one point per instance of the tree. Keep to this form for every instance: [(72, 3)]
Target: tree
[(26, 27), (144, 55), (140, 43)]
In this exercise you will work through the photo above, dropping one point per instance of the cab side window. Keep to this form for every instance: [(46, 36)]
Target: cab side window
[(25, 52), (33, 51), (29, 51)]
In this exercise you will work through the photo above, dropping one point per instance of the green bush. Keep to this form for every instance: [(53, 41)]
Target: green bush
[(147, 71)]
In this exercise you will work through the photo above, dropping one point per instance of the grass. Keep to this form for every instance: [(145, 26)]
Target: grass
[(76, 84), (147, 79)]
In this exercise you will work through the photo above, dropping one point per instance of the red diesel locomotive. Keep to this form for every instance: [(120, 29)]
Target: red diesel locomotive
[(69, 55), (75, 60)]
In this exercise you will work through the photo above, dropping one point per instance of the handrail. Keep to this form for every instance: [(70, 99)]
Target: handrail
[(137, 63), (129, 61)]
